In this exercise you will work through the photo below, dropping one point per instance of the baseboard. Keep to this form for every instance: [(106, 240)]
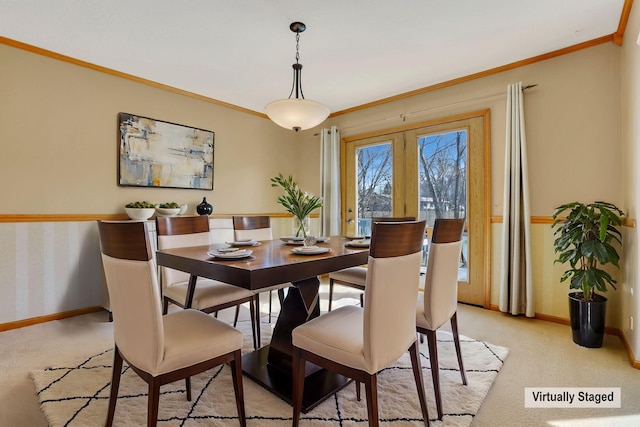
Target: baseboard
[(49, 317), (608, 330)]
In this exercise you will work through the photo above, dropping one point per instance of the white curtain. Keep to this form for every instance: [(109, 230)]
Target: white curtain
[(330, 182), (516, 284)]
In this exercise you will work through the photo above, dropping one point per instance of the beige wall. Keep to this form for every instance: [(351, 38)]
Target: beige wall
[(572, 124), (59, 141), (630, 113), (58, 131), (573, 146)]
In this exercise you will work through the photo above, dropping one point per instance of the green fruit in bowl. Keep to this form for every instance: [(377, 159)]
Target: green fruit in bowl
[(169, 205), (140, 205)]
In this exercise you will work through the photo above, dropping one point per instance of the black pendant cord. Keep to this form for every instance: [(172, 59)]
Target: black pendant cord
[(297, 27)]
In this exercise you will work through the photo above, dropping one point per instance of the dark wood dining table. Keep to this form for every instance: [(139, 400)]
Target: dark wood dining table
[(273, 262)]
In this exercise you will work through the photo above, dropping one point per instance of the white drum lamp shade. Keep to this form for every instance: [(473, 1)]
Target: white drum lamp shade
[(297, 113)]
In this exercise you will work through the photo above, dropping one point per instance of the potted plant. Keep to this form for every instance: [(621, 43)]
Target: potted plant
[(586, 240)]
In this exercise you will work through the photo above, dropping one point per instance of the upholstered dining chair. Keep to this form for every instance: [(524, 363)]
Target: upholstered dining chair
[(358, 342), (437, 304), (356, 277), (160, 349), (258, 228), (209, 296)]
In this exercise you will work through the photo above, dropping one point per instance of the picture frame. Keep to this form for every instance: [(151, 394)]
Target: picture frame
[(156, 153)]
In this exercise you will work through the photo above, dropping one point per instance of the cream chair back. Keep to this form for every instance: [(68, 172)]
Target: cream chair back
[(130, 273), (252, 227), (391, 291), (180, 232), (441, 279)]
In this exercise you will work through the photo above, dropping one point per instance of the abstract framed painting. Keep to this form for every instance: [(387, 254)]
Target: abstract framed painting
[(155, 153)]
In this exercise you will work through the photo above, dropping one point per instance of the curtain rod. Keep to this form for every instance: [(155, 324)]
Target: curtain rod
[(403, 116)]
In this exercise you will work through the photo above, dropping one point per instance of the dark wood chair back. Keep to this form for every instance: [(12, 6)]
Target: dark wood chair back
[(125, 240), (391, 239), (175, 225), (251, 222), (447, 230), (392, 219)]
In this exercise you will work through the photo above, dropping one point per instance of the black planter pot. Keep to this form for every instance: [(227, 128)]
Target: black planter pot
[(587, 319)]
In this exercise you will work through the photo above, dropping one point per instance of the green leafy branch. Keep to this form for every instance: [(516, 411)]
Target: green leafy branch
[(297, 202), (584, 239)]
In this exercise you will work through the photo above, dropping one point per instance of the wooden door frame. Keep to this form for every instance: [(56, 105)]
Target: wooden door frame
[(483, 224)]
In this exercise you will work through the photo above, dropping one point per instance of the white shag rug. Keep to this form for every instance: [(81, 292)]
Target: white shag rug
[(77, 394)]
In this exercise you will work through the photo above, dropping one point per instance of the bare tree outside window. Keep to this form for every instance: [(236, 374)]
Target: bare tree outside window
[(443, 175), (375, 181)]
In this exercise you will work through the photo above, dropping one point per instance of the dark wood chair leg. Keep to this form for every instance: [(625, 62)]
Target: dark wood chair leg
[(435, 373), (414, 351), (362, 300), (358, 397), (154, 400), (270, 299), (252, 313), (165, 305), (456, 341), (330, 293), (371, 389), (115, 385), (187, 385), (258, 336), (236, 374), (298, 385), (235, 317)]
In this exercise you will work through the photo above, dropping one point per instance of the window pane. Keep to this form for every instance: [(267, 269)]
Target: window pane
[(375, 184), (443, 181)]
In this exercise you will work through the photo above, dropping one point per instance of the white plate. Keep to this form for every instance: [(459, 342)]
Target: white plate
[(359, 243), (310, 250), (231, 255), (301, 242), (244, 243), (294, 238)]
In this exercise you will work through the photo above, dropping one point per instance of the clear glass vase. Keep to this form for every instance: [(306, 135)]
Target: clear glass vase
[(301, 227)]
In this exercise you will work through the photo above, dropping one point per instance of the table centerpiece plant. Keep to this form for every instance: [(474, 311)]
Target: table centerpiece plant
[(298, 203)]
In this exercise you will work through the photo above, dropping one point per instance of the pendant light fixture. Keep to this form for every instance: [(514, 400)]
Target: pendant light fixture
[(297, 113)]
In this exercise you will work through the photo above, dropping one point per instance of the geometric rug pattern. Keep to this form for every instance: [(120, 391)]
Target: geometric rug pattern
[(77, 393)]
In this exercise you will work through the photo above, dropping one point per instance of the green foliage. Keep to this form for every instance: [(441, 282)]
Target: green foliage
[(297, 202), (169, 205), (140, 205), (585, 240)]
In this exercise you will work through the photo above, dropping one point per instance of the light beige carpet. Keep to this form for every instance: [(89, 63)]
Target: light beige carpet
[(76, 394)]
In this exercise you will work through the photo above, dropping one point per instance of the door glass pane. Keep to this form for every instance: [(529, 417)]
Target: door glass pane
[(443, 182), (375, 183)]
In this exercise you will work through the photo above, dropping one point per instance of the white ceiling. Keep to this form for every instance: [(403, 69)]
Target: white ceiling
[(353, 51)]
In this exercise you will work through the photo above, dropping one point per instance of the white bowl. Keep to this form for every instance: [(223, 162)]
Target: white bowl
[(183, 209), (167, 211), (140, 214)]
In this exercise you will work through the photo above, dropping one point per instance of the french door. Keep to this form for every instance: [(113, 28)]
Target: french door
[(437, 169)]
